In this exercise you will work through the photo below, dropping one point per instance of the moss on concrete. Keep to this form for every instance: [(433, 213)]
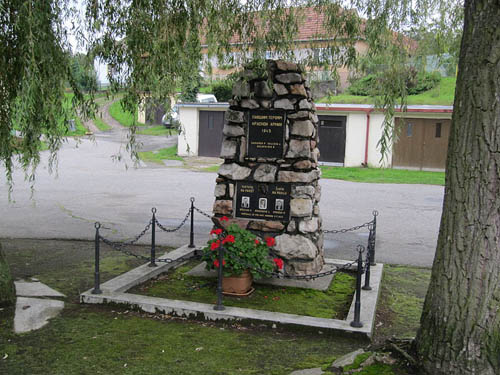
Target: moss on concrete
[(332, 303), (7, 289)]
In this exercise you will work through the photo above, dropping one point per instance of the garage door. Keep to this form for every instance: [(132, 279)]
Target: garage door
[(422, 144), (210, 141), (332, 138)]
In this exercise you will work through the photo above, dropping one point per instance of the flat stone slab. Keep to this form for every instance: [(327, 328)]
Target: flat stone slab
[(173, 163), (346, 360), (308, 371), (35, 289), (321, 283), (34, 313)]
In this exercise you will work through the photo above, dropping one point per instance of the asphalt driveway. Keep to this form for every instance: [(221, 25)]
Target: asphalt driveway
[(91, 186)]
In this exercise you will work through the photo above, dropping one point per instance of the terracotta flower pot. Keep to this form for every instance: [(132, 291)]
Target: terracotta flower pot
[(237, 284)]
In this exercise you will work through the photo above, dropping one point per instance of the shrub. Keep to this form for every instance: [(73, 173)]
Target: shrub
[(416, 83), (363, 86), (223, 90), (422, 82)]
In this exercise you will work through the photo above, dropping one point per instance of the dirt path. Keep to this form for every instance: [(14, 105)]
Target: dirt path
[(106, 117)]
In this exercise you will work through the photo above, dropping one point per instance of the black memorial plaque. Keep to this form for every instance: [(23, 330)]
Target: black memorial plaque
[(266, 133), (262, 201)]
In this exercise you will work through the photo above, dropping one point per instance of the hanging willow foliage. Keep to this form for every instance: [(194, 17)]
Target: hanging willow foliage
[(154, 47)]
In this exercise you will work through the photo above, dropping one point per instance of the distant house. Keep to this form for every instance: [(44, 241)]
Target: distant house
[(348, 134), (311, 42)]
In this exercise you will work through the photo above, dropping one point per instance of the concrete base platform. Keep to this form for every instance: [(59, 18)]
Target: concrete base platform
[(322, 283), (113, 291)]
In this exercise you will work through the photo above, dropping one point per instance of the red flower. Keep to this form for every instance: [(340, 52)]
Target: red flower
[(215, 245), (278, 262), (270, 241), (224, 218), (216, 263), (257, 241), (229, 238), (216, 231)]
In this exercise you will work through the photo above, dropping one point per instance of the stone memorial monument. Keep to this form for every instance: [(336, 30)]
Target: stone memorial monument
[(268, 183)]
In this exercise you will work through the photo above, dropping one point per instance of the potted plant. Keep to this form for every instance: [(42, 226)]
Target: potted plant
[(244, 255)]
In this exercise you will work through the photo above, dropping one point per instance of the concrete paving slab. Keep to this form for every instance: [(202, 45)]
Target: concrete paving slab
[(34, 313), (321, 283), (35, 289)]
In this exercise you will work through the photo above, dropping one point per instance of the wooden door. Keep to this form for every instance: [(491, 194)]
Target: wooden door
[(332, 138), (436, 135), (210, 141), (422, 143)]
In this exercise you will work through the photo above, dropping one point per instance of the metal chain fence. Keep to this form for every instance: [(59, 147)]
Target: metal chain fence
[(363, 266)]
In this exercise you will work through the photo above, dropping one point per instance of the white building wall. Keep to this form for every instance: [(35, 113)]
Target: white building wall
[(354, 139), (187, 143), (374, 152)]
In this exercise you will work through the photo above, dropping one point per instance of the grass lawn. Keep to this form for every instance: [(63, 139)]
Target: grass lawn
[(331, 304), (123, 117), (443, 94), (91, 339), (158, 130), (383, 175), (158, 156)]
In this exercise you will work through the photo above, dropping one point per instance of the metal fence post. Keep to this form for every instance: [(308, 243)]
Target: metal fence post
[(97, 289), (219, 306), (153, 239), (374, 235), (367, 271), (191, 233), (357, 303)]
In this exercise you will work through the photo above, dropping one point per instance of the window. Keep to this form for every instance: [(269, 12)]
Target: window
[(409, 129), (438, 130)]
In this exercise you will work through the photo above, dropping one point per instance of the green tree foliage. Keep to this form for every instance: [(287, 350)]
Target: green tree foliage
[(83, 72), (35, 68)]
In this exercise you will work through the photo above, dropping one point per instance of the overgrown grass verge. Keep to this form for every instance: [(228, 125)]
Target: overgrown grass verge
[(383, 175), (157, 130), (333, 303), (401, 301), (125, 118), (443, 94), (101, 125), (158, 156)]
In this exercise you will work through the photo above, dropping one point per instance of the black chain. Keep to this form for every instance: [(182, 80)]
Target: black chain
[(202, 212), (335, 231), (278, 275), (177, 227), (119, 247), (136, 238)]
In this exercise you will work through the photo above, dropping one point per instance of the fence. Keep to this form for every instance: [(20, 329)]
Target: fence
[(362, 266)]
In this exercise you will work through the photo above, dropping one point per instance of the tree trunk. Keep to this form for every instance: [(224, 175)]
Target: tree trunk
[(460, 324)]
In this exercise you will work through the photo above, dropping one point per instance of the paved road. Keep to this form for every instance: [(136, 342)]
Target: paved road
[(91, 187)]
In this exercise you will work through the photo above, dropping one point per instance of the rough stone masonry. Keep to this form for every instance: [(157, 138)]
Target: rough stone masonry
[(282, 86)]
